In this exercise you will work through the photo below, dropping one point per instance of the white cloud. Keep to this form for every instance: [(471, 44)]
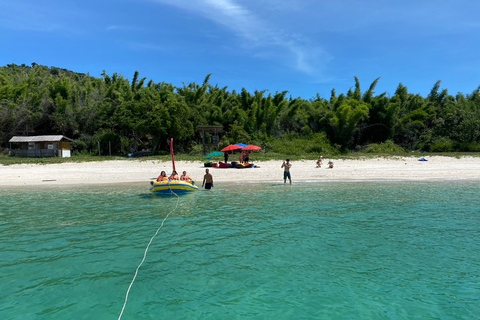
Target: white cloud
[(258, 32)]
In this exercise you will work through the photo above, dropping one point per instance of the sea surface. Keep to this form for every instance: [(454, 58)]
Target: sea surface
[(313, 250)]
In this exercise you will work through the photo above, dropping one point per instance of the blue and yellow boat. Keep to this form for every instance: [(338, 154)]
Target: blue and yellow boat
[(172, 187)]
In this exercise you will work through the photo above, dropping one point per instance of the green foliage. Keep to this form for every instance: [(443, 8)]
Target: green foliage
[(140, 114), (470, 147), (346, 122), (237, 134), (442, 145), (386, 147), (293, 144), (109, 141)]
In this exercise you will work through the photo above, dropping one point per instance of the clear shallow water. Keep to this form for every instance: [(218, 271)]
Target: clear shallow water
[(255, 251)]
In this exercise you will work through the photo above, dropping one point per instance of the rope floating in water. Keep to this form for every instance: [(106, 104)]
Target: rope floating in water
[(145, 255)]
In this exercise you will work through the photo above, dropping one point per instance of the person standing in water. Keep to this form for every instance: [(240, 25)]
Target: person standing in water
[(207, 180), (286, 171)]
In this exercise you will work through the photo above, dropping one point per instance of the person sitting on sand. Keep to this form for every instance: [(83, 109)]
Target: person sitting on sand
[(184, 177), (319, 162), (330, 164), (174, 176), (162, 177)]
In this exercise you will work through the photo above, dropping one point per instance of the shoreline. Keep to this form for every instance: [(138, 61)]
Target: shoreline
[(437, 168)]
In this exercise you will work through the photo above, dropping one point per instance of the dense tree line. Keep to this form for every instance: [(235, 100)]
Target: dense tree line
[(36, 100)]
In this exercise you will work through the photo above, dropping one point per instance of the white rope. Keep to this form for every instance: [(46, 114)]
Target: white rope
[(145, 255)]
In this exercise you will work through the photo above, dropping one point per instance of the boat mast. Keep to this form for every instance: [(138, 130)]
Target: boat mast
[(171, 151)]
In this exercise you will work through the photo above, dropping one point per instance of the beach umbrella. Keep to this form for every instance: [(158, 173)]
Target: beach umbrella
[(241, 145), (231, 147), (214, 154), (251, 147)]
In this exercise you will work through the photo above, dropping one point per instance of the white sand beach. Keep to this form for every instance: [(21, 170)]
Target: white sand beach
[(142, 170)]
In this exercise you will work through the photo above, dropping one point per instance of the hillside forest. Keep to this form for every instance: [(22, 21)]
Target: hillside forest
[(139, 114)]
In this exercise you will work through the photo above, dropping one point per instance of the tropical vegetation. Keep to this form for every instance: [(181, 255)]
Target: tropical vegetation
[(139, 114)]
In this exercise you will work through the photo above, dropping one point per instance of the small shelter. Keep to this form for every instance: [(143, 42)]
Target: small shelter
[(41, 146)]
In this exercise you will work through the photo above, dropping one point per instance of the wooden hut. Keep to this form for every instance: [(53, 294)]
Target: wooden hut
[(41, 146)]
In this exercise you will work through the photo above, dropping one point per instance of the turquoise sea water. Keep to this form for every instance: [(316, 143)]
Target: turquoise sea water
[(243, 251)]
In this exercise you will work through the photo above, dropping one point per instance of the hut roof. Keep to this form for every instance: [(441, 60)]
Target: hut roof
[(50, 138)]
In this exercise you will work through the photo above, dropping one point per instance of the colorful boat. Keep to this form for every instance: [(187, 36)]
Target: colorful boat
[(172, 187)]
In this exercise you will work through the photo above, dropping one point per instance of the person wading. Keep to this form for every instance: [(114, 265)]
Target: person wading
[(207, 180)]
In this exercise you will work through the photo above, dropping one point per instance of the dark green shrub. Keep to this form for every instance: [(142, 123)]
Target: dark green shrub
[(386, 147), (442, 145)]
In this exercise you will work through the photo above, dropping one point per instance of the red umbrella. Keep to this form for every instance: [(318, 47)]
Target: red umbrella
[(251, 147), (231, 147)]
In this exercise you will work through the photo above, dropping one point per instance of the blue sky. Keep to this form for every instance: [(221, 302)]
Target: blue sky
[(303, 46)]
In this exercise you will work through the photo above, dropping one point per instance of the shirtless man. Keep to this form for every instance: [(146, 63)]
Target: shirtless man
[(207, 180), (286, 171)]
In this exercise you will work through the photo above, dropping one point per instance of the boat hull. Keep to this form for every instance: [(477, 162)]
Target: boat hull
[(172, 186)]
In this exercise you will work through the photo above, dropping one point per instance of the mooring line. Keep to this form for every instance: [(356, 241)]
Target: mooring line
[(145, 254)]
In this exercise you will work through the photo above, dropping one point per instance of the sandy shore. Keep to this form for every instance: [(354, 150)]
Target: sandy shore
[(140, 170)]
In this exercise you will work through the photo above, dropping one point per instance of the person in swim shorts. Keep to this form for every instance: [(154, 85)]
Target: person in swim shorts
[(286, 171), (207, 180)]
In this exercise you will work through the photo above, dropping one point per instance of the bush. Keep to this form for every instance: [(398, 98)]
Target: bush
[(442, 145), (386, 147), (469, 147), (292, 145), (196, 149)]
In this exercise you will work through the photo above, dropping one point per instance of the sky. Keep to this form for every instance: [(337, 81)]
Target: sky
[(305, 47)]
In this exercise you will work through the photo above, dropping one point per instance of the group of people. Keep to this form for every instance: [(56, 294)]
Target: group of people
[(320, 162), (207, 178), (287, 165), (244, 157), (173, 176)]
